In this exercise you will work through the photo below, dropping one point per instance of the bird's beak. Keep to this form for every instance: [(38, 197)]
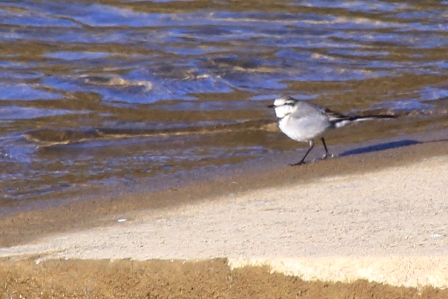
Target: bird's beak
[(271, 106)]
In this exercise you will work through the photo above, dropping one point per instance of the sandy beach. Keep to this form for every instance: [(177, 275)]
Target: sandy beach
[(372, 223)]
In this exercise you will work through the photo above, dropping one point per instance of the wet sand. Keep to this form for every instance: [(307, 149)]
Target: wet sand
[(377, 213)]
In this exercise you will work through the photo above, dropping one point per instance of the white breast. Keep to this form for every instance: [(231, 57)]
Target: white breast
[(305, 128)]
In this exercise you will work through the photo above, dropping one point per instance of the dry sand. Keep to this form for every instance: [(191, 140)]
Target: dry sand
[(386, 223)]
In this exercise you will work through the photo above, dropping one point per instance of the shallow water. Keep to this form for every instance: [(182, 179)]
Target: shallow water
[(112, 92)]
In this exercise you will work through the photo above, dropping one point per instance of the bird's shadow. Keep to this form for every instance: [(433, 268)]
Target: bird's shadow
[(380, 147)]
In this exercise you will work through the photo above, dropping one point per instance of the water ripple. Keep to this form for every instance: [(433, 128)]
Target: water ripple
[(141, 69)]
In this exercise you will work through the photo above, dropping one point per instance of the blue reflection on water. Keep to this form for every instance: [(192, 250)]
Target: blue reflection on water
[(112, 64), (24, 92), (17, 112), (76, 55)]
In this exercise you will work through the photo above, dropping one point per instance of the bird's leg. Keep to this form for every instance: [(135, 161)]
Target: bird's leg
[(327, 153), (311, 143)]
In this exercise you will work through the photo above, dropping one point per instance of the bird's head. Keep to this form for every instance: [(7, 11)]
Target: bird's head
[(283, 106)]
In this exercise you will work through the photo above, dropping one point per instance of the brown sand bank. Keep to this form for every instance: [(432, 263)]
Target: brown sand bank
[(178, 279), (378, 216)]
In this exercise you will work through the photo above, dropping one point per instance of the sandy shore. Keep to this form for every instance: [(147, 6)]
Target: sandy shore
[(379, 216)]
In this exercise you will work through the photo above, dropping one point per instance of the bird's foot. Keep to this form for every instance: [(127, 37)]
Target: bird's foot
[(298, 163), (327, 156)]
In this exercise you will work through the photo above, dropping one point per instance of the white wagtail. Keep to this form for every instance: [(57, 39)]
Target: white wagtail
[(303, 121)]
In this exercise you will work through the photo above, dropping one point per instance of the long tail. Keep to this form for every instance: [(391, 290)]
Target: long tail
[(342, 121)]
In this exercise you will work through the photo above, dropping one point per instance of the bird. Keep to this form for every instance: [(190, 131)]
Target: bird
[(304, 121)]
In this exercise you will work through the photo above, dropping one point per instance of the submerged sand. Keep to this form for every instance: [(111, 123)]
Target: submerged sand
[(385, 224)]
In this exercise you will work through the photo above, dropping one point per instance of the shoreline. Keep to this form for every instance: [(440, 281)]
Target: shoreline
[(97, 207), (381, 214)]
